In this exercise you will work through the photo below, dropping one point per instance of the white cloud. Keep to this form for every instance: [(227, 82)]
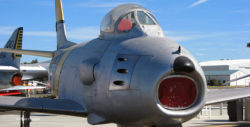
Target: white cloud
[(200, 54), (180, 38), (6, 30), (104, 5), (100, 5), (80, 33), (197, 3), (83, 33), (242, 11), (40, 33), (203, 49), (187, 36)]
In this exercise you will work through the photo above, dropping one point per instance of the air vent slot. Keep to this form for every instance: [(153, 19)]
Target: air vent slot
[(123, 71), (119, 83), (122, 59)]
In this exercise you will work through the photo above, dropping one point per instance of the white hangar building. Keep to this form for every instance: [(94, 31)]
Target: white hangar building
[(222, 71)]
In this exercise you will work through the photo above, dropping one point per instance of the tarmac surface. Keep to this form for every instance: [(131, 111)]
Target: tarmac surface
[(210, 118)]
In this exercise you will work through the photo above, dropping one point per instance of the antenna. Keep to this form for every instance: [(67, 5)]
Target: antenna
[(248, 44)]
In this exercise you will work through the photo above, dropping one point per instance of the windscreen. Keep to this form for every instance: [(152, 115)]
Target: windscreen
[(144, 18)]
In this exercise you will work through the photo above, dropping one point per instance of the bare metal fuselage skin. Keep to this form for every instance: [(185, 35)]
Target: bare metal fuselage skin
[(131, 75), (92, 72), (6, 78), (38, 71)]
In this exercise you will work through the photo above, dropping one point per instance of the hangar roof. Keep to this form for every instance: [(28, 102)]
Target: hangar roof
[(228, 72), (225, 62)]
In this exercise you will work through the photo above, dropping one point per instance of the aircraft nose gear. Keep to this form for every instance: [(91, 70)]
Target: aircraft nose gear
[(25, 119)]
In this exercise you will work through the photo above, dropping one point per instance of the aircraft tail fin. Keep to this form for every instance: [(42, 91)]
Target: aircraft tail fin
[(62, 41), (15, 42)]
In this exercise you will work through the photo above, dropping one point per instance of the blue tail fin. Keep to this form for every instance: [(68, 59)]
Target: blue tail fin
[(15, 42)]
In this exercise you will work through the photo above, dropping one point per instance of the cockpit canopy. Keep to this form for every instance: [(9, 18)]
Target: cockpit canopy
[(124, 18)]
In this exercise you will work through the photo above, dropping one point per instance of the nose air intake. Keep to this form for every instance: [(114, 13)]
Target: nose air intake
[(177, 92), (183, 64)]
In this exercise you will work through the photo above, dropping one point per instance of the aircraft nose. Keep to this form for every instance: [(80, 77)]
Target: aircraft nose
[(183, 64)]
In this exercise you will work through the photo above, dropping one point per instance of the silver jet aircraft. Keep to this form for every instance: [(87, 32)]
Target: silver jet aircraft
[(130, 75), (10, 62), (12, 73)]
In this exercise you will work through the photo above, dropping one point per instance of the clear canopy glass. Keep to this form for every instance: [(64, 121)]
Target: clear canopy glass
[(108, 22), (144, 18)]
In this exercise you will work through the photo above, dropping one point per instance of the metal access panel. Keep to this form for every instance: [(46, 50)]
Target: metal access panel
[(122, 71)]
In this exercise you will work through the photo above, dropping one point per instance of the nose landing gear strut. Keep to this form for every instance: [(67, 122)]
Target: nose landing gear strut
[(25, 119)]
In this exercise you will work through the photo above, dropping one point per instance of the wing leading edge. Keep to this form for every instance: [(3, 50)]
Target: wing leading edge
[(222, 95), (57, 106), (49, 54)]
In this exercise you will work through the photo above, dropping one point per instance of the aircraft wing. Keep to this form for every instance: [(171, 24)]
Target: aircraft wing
[(57, 106), (23, 88), (222, 95), (8, 68)]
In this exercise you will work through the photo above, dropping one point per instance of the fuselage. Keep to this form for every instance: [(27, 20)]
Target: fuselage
[(117, 78), (131, 74), (37, 71), (6, 77)]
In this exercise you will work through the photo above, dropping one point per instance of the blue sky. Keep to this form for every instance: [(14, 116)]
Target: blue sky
[(209, 29)]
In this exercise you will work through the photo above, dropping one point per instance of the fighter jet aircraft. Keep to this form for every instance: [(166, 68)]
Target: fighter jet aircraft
[(10, 62), (12, 74), (130, 75)]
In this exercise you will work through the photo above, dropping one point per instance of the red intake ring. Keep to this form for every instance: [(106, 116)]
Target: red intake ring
[(177, 92)]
